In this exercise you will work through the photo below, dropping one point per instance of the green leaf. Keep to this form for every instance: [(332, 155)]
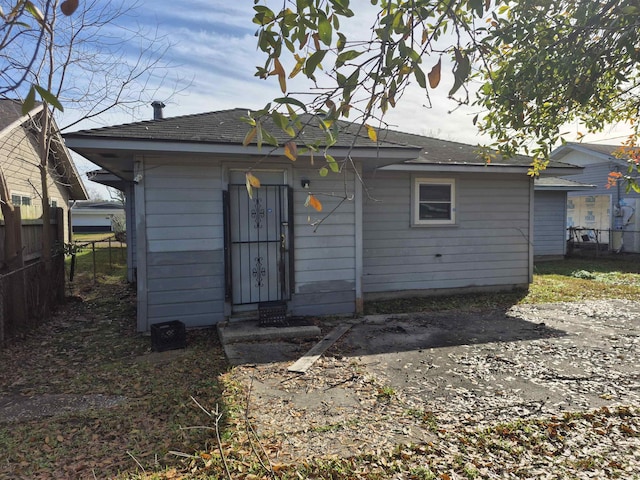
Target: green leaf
[(324, 31), (313, 61), (29, 101), (291, 101), (323, 172), (420, 78), (346, 56), (461, 71), (49, 97), (333, 165)]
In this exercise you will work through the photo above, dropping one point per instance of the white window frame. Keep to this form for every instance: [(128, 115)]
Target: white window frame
[(22, 197), (415, 201)]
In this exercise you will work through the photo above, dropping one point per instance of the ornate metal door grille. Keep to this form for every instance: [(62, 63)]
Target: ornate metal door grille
[(258, 239)]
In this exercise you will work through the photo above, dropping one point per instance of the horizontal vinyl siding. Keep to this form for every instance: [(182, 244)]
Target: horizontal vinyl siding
[(324, 258), (184, 235), (550, 230), (20, 159), (488, 246)]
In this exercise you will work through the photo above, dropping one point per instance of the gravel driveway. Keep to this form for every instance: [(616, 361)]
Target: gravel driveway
[(417, 378)]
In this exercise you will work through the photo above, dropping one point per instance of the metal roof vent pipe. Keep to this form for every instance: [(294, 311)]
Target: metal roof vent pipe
[(157, 110)]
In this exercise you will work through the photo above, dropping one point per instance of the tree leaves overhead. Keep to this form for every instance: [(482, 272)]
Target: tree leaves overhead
[(538, 64)]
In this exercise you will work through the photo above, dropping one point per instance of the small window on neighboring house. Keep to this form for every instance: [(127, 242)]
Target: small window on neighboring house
[(20, 200), (434, 201), (53, 202)]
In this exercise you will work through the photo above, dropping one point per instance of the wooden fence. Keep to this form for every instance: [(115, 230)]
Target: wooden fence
[(27, 296), (29, 290)]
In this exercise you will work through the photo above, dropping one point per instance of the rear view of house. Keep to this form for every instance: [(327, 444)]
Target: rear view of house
[(407, 214)]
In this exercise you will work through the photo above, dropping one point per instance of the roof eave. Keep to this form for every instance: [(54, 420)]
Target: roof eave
[(476, 168), (143, 145)]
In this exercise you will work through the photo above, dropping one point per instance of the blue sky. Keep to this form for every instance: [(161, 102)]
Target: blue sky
[(213, 57)]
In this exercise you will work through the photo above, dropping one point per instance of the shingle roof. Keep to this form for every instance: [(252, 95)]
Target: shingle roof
[(225, 127), (557, 183), (220, 127), (608, 150)]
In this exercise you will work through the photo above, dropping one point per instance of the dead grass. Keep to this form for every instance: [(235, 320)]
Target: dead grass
[(90, 347)]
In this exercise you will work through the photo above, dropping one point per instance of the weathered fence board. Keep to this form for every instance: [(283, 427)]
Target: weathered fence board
[(29, 289)]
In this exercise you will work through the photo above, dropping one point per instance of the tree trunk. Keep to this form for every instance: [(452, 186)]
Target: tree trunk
[(44, 141)]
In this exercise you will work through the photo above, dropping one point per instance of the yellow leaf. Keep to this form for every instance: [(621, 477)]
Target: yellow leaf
[(291, 151), (299, 64), (434, 74), (249, 136), (314, 202), (253, 180), (373, 135), (278, 70), (282, 76)]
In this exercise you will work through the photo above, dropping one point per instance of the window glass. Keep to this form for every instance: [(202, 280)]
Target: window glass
[(434, 201)]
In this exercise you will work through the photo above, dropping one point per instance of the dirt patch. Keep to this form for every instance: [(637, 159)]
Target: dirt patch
[(402, 379), (15, 408)]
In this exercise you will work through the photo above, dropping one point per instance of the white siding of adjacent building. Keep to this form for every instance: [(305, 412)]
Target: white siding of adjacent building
[(488, 247)]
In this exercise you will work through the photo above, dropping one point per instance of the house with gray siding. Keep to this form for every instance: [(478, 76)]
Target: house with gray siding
[(611, 212), (550, 215), (405, 215)]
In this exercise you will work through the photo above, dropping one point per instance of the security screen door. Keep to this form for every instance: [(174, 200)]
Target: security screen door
[(258, 237)]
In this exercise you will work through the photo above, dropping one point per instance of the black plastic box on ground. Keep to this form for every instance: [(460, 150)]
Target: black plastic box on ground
[(168, 336)]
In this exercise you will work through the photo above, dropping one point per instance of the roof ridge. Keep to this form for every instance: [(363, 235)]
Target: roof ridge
[(159, 120)]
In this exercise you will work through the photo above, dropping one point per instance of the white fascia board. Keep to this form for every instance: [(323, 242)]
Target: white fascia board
[(565, 188), (21, 120), (440, 167), (436, 167), (94, 144)]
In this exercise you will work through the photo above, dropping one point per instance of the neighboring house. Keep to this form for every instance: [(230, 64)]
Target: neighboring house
[(550, 216), (95, 216), (19, 160), (420, 216), (612, 214)]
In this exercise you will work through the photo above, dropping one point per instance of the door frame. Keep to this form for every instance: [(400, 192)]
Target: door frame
[(289, 273)]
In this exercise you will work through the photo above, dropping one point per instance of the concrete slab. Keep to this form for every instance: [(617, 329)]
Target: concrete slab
[(250, 331)]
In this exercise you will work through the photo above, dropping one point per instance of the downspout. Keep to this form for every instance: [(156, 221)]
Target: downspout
[(531, 226)]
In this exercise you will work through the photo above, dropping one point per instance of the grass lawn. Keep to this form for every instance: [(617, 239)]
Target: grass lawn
[(91, 348), (573, 279)]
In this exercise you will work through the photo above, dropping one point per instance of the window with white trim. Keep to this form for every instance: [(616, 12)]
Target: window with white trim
[(434, 201), (19, 199)]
